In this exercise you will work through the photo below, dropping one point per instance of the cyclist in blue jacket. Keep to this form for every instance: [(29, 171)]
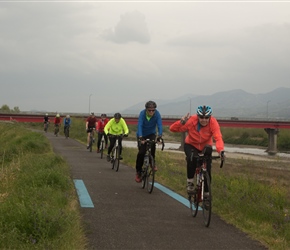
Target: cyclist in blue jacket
[(149, 119), (66, 123)]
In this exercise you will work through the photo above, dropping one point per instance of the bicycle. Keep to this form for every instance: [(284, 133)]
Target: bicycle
[(199, 195), (46, 126), (56, 129), (66, 131), (115, 154), (102, 145), (148, 173), (91, 140)]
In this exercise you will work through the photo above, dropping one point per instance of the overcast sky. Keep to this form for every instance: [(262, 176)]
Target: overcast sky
[(76, 56)]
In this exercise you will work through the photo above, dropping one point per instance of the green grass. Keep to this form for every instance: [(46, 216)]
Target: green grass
[(38, 205)]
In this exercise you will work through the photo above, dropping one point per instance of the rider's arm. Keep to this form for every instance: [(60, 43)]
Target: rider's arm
[(107, 127), (217, 135), (140, 123), (159, 124), (125, 127), (179, 127)]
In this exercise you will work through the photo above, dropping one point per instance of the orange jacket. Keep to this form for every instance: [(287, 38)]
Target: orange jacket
[(204, 136)]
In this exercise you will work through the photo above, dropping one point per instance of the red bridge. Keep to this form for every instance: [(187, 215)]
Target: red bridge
[(270, 126)]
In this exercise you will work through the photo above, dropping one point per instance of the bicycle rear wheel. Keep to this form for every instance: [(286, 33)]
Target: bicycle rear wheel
[(206, 203), (150, 175), (102, 149)]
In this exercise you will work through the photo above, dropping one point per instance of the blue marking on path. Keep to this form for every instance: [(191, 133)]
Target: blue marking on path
[(175, 196), (84, 197)]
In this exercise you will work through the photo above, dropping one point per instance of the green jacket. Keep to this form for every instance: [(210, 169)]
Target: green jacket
[(116, 128)]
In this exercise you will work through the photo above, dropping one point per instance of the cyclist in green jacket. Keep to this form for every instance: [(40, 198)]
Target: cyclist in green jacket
[(116, 126)]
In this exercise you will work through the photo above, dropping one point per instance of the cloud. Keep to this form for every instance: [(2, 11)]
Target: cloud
[(131, 28)]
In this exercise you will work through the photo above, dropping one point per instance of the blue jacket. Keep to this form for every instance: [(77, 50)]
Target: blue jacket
[(66, 121), (147, 127)]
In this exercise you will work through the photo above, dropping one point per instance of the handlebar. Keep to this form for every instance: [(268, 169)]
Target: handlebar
[(202, 157), (154, 141)]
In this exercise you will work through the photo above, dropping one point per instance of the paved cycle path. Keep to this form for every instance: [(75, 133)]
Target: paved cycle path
[(125, 216)]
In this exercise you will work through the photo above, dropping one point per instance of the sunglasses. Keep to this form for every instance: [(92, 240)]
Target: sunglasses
[(204, 117), (151, 110)]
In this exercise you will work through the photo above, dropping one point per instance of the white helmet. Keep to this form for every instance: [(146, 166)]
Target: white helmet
[(67, 116)]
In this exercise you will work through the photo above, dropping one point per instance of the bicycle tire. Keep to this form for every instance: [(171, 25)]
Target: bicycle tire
[(56, 130), (206, 203), (114, 157), (117, 160), (91, 143), (150, 175), (45, 127), (194, 198), (144, 175), (66, 132), (102, 149)]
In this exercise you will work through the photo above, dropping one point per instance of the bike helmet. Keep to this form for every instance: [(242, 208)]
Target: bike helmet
[(117, 116), (67, 116), (92, 113), (204, 111), (57, 115), (46, 114), (150, 104), (103, 115)]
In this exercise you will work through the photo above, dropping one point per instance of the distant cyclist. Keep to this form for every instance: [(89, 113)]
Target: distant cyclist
[(91, 125), (116, 126), (66, 123), (200, 128), (149, 119), (45, 120), (57, 122), (100, 129)]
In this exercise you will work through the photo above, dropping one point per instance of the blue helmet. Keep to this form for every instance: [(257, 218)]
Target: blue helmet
[(204, 111)]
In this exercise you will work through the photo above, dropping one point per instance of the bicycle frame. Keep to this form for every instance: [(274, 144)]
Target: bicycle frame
[(148, 173)]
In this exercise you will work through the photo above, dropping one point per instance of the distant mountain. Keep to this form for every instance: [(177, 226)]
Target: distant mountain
[(234, 103)]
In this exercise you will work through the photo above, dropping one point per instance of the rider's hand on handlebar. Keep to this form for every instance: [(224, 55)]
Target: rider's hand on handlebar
[(159, 140), (223, 155), (184, 119), (125, 135)]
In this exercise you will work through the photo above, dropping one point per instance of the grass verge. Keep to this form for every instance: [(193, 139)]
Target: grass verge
[(38, 205)]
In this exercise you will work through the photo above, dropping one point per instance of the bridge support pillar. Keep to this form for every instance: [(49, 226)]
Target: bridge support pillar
[(272, 140)]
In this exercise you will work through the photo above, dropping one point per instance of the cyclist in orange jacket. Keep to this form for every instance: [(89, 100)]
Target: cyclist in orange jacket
[(200, 129)]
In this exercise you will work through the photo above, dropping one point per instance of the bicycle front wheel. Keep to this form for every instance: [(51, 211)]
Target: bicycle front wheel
[(144, 175), (193, 201), (91, 144), (206, 202), (102, 149), (150, 175), (117, 159)]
